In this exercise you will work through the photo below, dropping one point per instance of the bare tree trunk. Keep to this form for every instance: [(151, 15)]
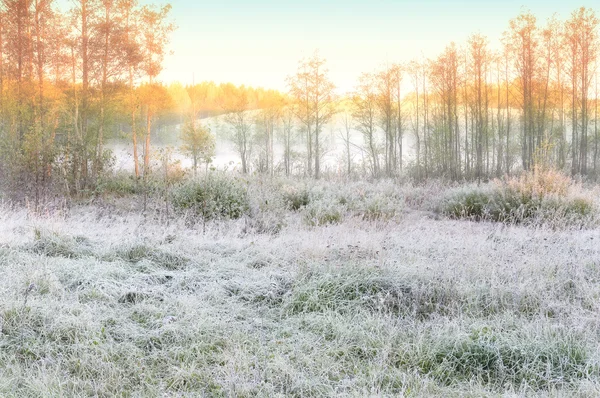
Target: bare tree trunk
[(105, 52), (136, 162), (596, 130), (347, 142), (132, 103), (317, 151), (85, 69), (508, 116), (400, 133), (147, 144), (574, 121)]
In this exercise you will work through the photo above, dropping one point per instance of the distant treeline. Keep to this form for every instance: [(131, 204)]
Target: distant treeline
[(207, 99), (475, 111)]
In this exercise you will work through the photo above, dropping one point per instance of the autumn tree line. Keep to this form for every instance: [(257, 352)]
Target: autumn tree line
[(473, 112), (72, 79), (67, 78), (477, 112)]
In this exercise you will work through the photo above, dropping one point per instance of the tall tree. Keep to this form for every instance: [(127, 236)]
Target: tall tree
[(236, 107), (271, 105), (444, 77), (198, 142), (365, 114), (155, 32), (300, 90), (416, 75), (128, 9), (581, 35), (287, 137), (479, 64), (523, 44), (313, 93), (386, 86), (398, 76)]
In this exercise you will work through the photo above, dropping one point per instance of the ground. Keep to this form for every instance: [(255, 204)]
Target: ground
[(104, 301)]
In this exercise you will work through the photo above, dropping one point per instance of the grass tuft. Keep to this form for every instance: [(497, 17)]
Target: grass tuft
[(214, 197), (54, 245), (134, 253), (536, 198)]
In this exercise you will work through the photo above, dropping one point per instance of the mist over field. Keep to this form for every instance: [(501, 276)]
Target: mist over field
[(226, 157), (299, 199)]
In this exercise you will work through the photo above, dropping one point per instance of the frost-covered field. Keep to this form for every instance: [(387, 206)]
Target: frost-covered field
[(99, 300)]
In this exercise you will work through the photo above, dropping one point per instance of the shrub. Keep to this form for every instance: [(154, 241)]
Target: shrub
[(423, 196), (467, 203), (268, 210), (176, 174), (378, 207), (352, 289), (538, 184), (120, 184), (538, 197), (265, 220), (295, 198), (214, 197), (323, 212), (580, 206)]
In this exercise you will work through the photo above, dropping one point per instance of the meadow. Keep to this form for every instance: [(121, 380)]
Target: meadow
[(244, 287)]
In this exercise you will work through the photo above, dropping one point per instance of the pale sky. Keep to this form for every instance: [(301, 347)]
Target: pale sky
[(259, 42)]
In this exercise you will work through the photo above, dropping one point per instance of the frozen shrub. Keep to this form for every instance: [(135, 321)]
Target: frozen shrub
[(581, 206), (423, 196), (538, 184), (538, 197), (120, 184), (295, 198), (352, 289), (267, 211), (323, 212), (379, 207), (367, 201), (343, 291), (265, 221), (266, 217), (214, 197), (470, 203), (175, 174)]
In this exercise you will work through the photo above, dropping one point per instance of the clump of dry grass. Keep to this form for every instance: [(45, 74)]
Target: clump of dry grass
[(215, 196), (540, 197), (324, 211), (538, 184), (56, 245), (295, 197)]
